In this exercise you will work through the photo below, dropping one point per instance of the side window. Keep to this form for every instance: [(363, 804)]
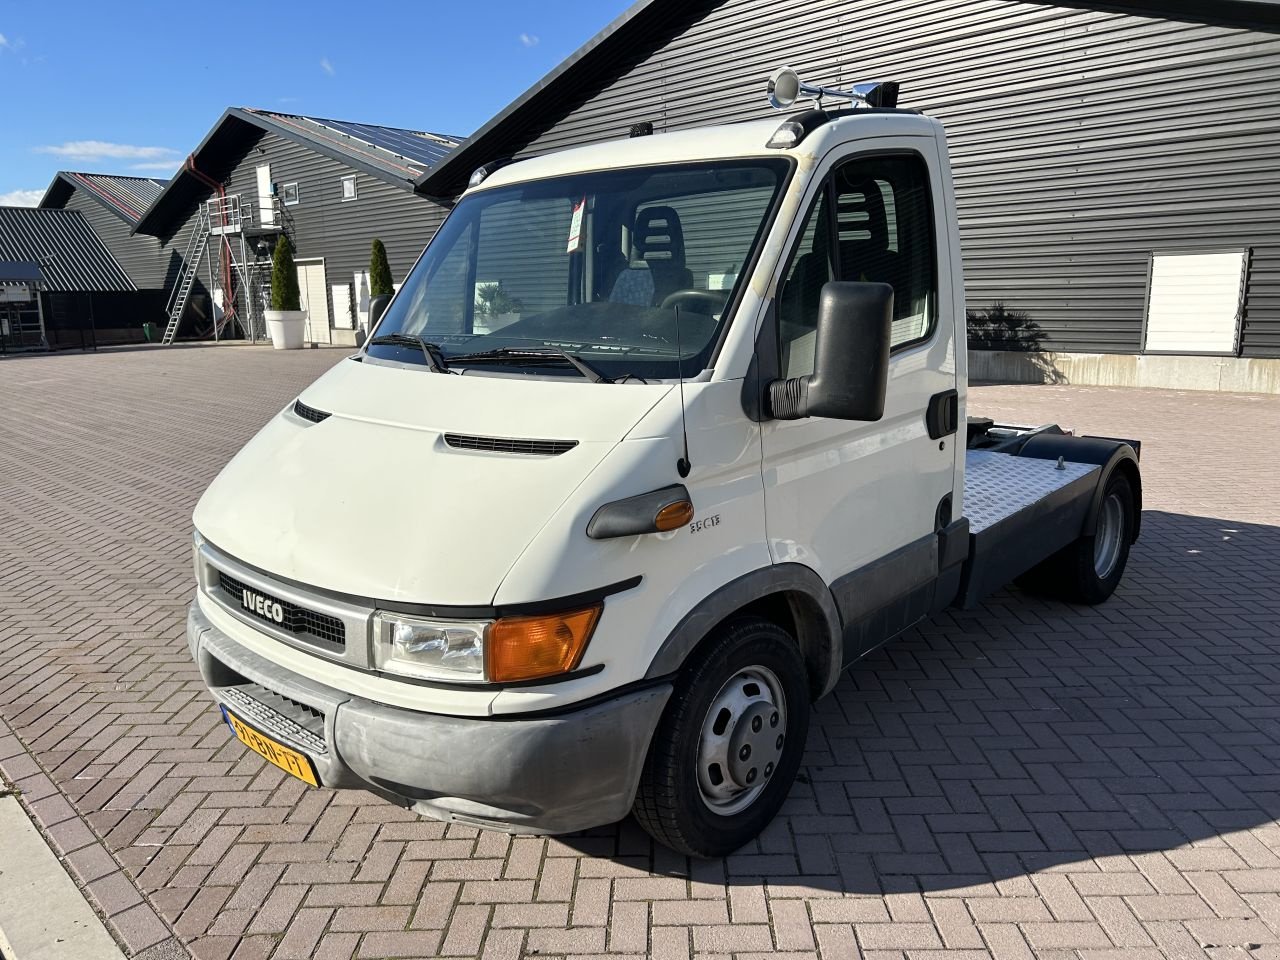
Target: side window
[(885, 230), (810, 268)]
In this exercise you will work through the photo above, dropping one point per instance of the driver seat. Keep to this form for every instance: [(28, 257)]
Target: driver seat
[(657, 240)]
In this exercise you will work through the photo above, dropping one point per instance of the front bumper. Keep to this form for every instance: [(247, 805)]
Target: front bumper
[(540, 774)]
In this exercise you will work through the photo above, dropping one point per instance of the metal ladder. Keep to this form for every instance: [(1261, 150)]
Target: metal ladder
[(187, 278)]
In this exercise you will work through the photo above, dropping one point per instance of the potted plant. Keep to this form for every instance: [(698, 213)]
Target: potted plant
[(286, 320)]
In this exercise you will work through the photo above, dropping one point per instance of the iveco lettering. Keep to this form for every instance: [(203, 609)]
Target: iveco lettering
[(667, 433)]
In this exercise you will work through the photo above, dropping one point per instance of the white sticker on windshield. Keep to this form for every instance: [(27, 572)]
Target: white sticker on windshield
[(575, 227)]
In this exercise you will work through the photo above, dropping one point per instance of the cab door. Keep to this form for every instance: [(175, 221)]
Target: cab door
[(861, 503)]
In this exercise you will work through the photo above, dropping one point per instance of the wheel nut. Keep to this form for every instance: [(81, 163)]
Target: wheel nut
[(779, 742), (745, 752), (756, 724), (773, 720), (751, 775), (768, 769)]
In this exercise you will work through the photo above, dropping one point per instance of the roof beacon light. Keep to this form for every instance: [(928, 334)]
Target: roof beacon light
[(786, 87), (480, 174)]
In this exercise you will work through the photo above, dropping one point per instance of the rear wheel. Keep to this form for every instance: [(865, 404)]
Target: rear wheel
[(1089, 570), (729, 744)]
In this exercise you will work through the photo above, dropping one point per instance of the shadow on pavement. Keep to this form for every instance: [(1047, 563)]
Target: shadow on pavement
[(1029, 735)]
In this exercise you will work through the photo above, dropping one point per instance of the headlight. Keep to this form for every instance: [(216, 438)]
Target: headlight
[(479, 651), (430, 649)]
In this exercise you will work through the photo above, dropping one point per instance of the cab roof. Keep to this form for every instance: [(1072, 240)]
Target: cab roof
[(726, 141)]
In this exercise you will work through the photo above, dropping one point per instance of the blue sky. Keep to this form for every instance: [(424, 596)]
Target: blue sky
[(132, 88)]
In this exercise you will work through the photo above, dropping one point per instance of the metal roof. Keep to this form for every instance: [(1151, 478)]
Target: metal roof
[(126, 197), (392, 154), (647, 24), (71, 257)]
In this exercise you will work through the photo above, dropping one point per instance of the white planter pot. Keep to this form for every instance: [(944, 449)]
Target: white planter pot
[(288, 328)]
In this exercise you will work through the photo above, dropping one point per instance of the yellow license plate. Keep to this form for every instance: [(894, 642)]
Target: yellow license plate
[(290, 761)]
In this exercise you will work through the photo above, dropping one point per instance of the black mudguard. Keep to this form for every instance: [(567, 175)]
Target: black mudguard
[(1107, 452)]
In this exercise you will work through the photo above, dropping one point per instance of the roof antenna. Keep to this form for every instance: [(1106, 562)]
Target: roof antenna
[(682, 465)]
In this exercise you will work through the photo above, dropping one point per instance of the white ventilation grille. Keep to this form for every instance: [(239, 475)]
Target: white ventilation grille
[(1195, 302)]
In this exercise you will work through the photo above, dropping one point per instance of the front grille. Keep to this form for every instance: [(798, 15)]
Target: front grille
[(534, 448), (309, 413), (297, 620)]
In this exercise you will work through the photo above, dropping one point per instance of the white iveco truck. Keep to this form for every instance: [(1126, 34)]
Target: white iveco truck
[(657, 438)]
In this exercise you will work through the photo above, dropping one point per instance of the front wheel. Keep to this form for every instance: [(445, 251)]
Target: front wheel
[(729, 744)]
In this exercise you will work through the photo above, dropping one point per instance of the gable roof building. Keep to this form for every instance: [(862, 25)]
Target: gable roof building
[(331, 186), (64, 287), (394, 155)]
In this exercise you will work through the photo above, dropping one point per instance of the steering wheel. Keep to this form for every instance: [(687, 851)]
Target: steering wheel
[(700, 301)]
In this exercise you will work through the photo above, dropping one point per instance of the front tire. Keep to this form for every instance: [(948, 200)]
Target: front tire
[(730, 742)]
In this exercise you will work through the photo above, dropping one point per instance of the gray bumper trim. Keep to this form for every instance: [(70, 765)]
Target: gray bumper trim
[(545, 774)]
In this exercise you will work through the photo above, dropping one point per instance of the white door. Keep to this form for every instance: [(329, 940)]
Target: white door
[(342, 318), (266, 206), (841, 494), (315, 300)]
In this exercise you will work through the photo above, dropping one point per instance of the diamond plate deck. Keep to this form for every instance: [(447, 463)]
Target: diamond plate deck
[(998, 485)]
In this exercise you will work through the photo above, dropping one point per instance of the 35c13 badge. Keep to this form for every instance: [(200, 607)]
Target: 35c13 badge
[(699, 525)]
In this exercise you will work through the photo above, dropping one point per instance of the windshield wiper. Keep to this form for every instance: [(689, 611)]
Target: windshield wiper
[(432, 351), (516, 355)]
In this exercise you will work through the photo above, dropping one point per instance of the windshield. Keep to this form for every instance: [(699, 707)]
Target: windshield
[(598, 265)]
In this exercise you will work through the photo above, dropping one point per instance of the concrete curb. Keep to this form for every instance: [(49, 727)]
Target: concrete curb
[(43, 915)]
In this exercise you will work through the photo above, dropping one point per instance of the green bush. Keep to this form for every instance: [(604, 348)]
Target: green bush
[(379, 272), (284, 278)]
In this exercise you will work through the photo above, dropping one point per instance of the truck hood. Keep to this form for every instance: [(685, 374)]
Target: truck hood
[(373, 501)]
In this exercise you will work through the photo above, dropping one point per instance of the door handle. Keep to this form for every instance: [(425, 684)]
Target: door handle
[(942, 416)]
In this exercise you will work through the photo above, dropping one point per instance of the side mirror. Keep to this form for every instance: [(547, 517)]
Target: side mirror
[(850, 357), (377, 307)]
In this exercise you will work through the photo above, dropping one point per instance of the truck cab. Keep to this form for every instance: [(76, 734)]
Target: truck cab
[(657, 438)]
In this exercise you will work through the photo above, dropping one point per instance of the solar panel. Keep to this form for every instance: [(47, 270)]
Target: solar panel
[(409, 144), (391, 147)]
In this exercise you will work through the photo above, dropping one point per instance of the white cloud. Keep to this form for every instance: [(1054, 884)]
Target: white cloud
[(4, 42), (529, 39), (21, 198), (93, 150), (326, 66)]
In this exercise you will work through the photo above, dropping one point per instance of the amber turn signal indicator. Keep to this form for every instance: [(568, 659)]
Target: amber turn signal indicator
[(673, 515), (528, 648)]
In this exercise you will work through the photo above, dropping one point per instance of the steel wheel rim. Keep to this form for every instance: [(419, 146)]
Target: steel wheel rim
[(750, 712), (1109, 537)]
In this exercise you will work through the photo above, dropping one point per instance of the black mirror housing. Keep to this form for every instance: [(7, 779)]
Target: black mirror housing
[(850, 357), (377, 307)]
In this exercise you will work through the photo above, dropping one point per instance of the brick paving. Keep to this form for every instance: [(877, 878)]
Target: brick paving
[(1025, 780)]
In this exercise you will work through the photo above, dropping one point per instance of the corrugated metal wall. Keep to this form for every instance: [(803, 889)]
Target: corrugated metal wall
[(321, 224), (1081, 140), (138, 254)]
